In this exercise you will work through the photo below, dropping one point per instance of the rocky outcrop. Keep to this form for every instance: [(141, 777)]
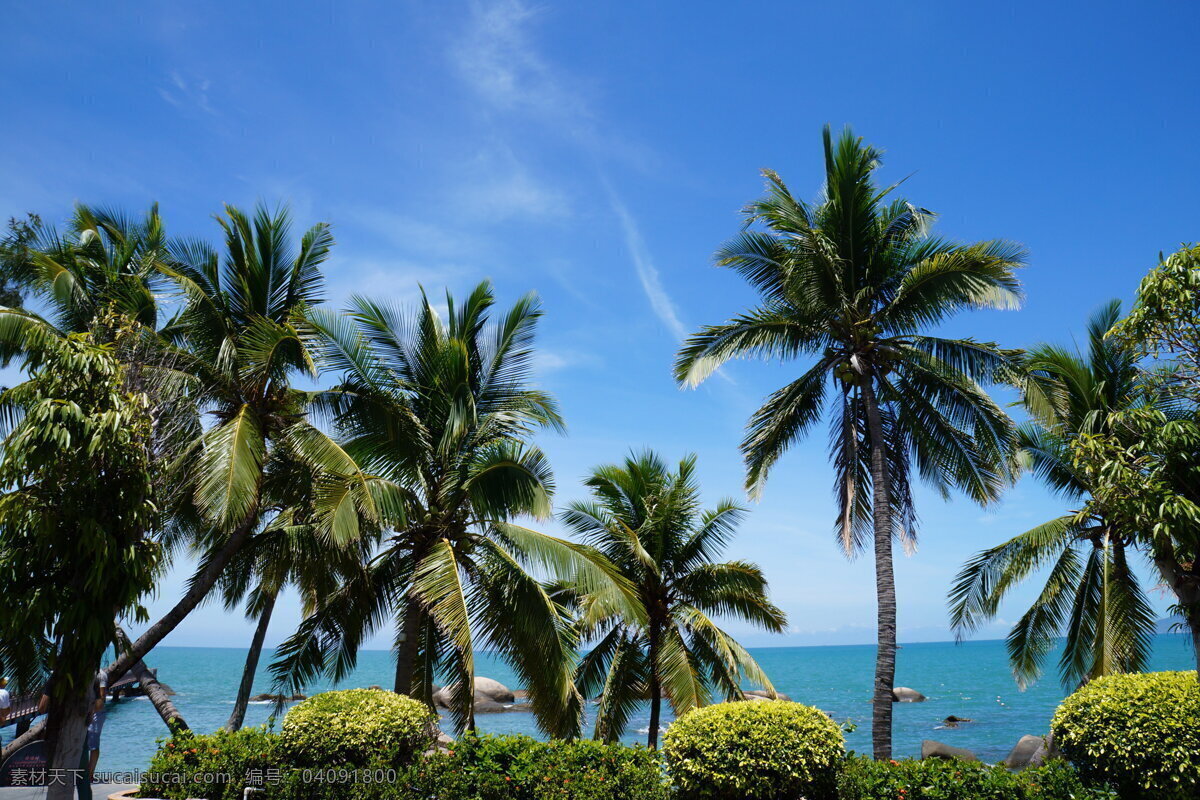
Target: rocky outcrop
[(903, 694), (761, 694), (486, 691), (376, 687), (932, 749), (1022, 754), (277, 698), (953, 721)]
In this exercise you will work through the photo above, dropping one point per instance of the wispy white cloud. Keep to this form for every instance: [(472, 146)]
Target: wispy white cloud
[(499, 60), (647, 272), (183, 93)]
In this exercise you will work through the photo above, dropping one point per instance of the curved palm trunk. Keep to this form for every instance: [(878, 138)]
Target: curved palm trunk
[(238, 716), (885, 580), (655, 688), (196, 592)]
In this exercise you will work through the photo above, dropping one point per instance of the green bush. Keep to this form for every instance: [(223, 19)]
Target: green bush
[(938, 779), (521, 768), (356, 728), (212, 766), (754, 751), (1137, 733)]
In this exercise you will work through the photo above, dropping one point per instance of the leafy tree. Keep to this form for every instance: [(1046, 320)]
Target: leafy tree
[(75, 517), (1091, 597), (14, 257), (1165, 319), (437, 414), (647, 520), (853, 282)]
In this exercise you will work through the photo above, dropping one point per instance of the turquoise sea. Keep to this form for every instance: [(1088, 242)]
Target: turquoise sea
[(969, 680)]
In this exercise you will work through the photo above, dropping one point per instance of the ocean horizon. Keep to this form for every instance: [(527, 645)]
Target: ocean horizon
[(968, 680)]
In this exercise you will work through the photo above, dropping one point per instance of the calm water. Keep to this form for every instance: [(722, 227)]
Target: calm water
[(969, 680)]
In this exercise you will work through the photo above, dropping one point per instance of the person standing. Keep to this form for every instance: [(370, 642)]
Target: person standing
[(5, 700), (96, 723)]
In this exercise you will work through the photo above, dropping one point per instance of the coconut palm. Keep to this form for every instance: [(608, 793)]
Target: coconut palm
[(853, 282), (104, 264), (440, 410), (1091, 597), (647, 520), (242, 336)]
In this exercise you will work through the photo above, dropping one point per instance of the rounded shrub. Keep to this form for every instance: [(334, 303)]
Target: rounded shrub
[(769, 750), (357, 728), (1136, 733)]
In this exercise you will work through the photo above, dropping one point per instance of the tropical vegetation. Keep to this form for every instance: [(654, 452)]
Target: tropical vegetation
[(855, 282), (1092, 597), (384, 463), (646, 519)]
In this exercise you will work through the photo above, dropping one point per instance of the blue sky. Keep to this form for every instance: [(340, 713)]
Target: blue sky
[(598, 153)]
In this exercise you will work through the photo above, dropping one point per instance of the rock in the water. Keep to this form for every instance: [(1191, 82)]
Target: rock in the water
[(932, 749), (375, 687), (1022, 754), (486, 690), (953, 721), (1045, 752), (262, 698), (296, 697), (761, 694), (903, 694)]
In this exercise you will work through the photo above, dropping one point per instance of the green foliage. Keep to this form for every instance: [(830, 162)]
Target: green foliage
[(1137, 733), (215, 766), (769, 750), (356, 727), (76, 516), (520, 768), (1165, 319), (647, 520), (939, 779)]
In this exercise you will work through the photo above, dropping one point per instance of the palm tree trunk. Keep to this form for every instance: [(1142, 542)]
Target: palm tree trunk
[(406, 648), (885, 580), (154, 690), (655, 688), (238, 716), (198, 589)]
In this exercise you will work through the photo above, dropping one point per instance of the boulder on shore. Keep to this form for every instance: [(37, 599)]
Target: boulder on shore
[(932, 749), (1021, 756), (486, 691), (762, 694), (903, 694)]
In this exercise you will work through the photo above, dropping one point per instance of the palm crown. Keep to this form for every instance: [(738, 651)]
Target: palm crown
[(437, 414), (1091, 596), (853, 282), (647, 520)]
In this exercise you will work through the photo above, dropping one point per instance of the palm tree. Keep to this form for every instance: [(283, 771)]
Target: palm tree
[(438, 414), (242, 335), (852, 282), (1091, 596), (289, 550), (647, 520)]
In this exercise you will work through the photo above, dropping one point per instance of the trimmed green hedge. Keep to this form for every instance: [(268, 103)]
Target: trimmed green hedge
[(770, 750), (355, 728), (1138, 733), (939, 779)]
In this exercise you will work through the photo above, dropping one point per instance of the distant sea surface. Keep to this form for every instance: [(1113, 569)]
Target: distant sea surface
[(970, 680)]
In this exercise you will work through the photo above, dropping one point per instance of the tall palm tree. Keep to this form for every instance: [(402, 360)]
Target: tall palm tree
[(438, 412), (647, 520), (242, 335), (854, 281), (1091, 596)]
